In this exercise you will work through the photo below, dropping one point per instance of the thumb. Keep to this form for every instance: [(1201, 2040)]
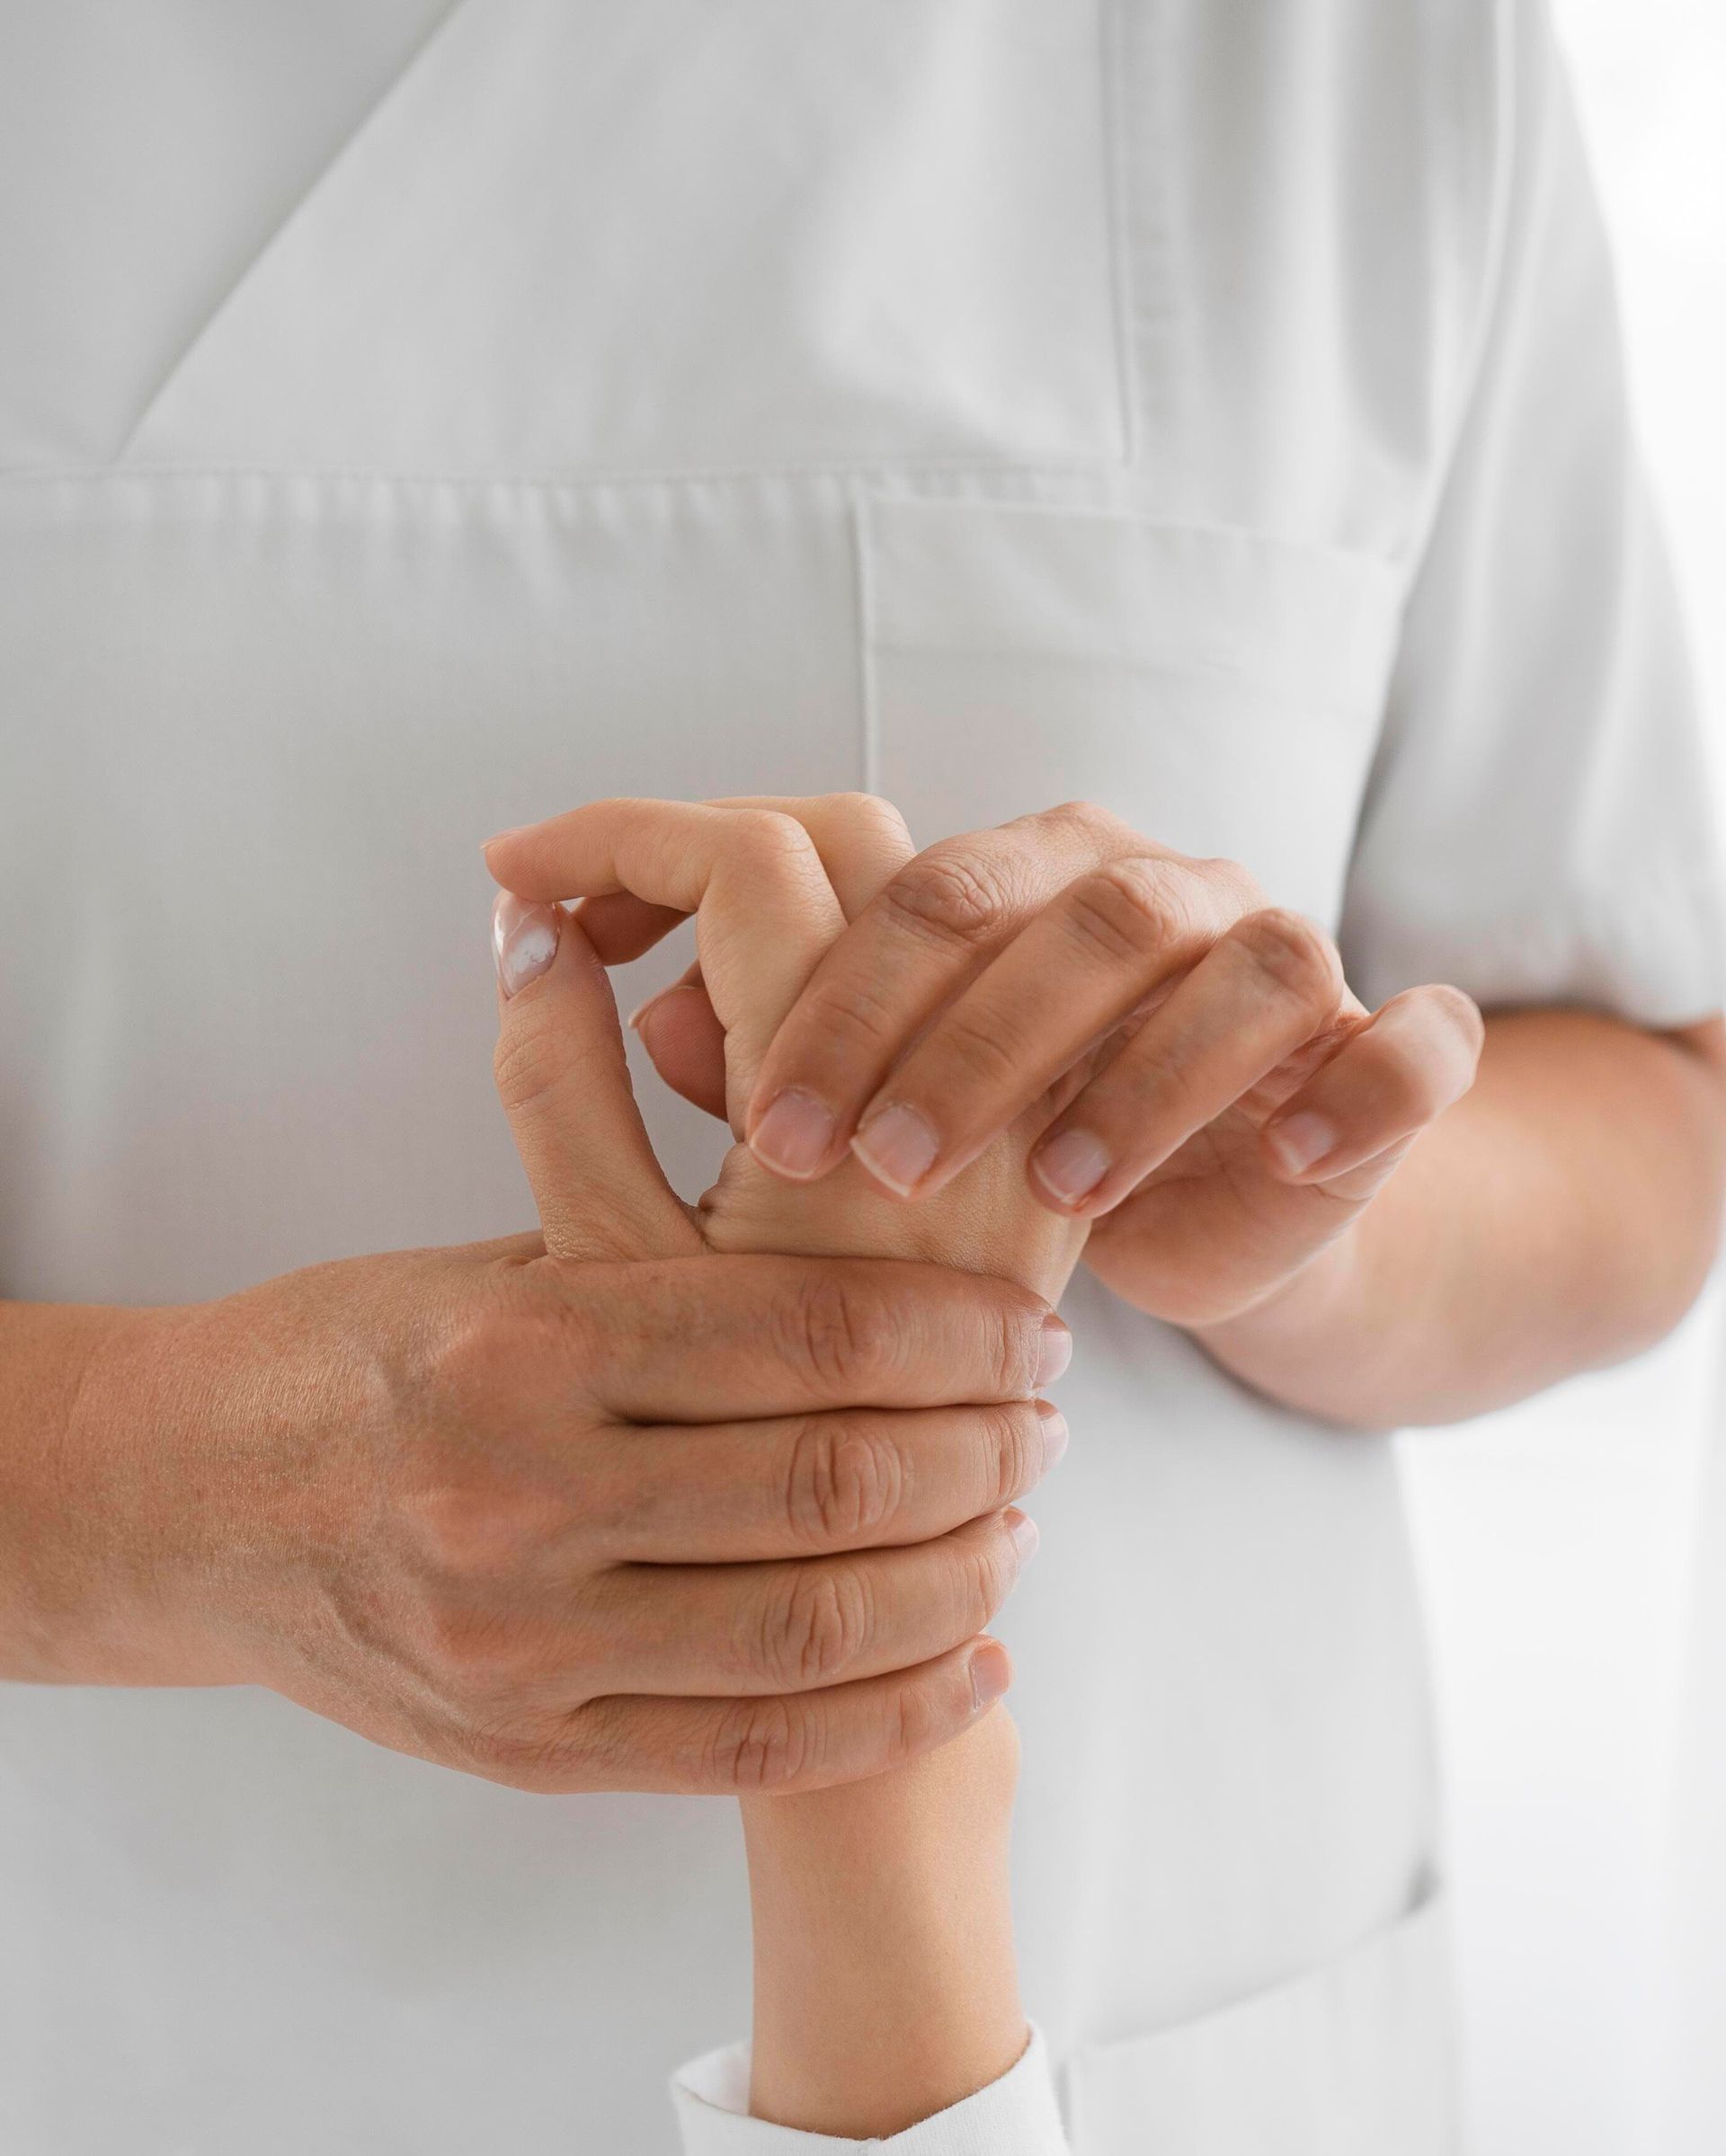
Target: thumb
[(685, 1042), (564, 1081)]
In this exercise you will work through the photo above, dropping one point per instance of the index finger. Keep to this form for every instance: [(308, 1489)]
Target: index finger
[(717, 1339)]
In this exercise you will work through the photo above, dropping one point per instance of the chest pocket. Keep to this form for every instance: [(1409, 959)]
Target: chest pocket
[(1219, 690), (576, 239)]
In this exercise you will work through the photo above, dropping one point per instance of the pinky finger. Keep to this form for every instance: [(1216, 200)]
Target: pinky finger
[(1416, 1056), (779, 1744)]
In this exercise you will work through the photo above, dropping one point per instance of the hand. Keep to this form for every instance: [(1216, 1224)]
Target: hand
[(607, 1511), (1211, 1097), (771, 884), (853, 1961)]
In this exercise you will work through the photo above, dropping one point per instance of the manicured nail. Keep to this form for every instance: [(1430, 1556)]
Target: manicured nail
[(1055, 1433), (1022, 1528), (991, 1674), (898, 1148), (524, 939), (1071, 1167), (795, 1135), (1301, 1140), (1055, 1351)]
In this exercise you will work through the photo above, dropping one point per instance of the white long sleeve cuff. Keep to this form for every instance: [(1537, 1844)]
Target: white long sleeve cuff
[(1017, 2115)]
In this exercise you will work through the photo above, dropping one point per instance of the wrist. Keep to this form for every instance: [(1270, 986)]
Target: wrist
[(129, 1560), (883, 1929)]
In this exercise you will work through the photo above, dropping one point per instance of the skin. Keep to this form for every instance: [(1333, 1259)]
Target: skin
[(1495, 1204), (881, 1910), (486, 1505)]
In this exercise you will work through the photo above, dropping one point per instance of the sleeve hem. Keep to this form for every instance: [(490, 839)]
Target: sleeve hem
[(1016, 2115)]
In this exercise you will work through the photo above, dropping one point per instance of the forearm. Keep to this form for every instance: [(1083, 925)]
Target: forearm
[(885, 1983), (50, 1353), (1560, 1217)]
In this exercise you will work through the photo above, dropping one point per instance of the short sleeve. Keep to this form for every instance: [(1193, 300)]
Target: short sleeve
[(1537, 824), (1016, 2115)]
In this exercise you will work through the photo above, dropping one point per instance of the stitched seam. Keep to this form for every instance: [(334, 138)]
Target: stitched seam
[(562, 482), (1111, 42), (868, 644)]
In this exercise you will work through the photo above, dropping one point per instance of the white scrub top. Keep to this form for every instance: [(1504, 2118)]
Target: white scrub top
[(417, 418)]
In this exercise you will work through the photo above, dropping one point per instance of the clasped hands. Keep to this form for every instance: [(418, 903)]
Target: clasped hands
[(722, 1498), (977, 1058)]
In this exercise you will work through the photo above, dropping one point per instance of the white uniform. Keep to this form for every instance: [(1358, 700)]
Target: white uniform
[(417, 418)]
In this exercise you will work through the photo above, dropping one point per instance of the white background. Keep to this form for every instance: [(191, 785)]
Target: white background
[(1575, 1549)]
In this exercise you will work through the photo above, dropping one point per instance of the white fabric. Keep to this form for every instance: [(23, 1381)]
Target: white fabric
[(1016, 2115), (411, 429)]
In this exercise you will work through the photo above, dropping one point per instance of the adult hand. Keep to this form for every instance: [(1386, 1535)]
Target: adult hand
[(1212, 1097), (603, 1511)]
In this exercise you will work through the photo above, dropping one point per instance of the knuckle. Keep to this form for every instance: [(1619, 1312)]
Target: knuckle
[(1235, 882), (915, 1723), (777, 843), (472, 1648), (812, 1630), (1128, 908), (950, 894), (536, 1763), (847, 1479), (1089, 819), (986, 1580), (1016, 1341), (1295, 956), (759, 1746), (869, 813), (1013, 1449), (991, 1053), (837, 1331), (858, 1007)]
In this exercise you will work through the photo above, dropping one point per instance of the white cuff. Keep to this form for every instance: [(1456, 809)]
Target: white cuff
[(1017, 2115)]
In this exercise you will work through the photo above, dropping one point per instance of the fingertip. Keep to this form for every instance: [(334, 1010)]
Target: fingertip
[(991, 1674), (525, 936), (797, 1136)]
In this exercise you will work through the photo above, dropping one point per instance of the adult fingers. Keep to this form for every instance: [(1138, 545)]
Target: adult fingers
[(724, 1630), (812, 1484), (564, 1081), (765, 909), (1081, 967), (720, 1339), (932, 925), (860, 839), (796, 1741), (1413, 1058), (1265, 988)]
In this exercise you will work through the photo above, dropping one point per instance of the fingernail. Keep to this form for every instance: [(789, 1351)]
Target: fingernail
[(1022, 1528), (898, 1148), (795, 1135), (1301, 1140), (497, 838), (991, 1674), (524, 939), (641, 1010), (1055, 1433), (1055, 1351), (1071, 1167)]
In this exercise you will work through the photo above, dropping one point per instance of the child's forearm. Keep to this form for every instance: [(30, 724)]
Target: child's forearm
[(885, 1979)]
